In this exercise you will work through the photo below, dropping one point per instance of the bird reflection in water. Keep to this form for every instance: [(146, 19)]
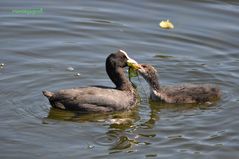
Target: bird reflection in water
[(125, 129)]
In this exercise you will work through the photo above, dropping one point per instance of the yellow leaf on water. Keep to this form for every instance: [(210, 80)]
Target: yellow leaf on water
[(166, 24)]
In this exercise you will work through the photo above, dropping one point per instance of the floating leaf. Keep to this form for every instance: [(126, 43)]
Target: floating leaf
[(134, 66), (166, 24), (132, 72)]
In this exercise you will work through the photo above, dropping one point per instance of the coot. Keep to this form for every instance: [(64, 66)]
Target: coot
[(100, 98), (182, 93)]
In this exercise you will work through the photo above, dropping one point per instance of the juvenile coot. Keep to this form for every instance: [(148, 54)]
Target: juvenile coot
[(183, 93), (100, 98)]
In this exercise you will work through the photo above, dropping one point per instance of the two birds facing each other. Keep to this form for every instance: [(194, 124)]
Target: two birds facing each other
[(124, 95)]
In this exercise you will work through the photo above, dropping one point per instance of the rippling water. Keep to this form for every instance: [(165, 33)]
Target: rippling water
[(38, 48)]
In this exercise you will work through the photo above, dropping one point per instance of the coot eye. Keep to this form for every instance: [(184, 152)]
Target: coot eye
[(123, 57)]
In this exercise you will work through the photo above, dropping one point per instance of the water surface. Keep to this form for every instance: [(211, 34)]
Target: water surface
[(37, 49)]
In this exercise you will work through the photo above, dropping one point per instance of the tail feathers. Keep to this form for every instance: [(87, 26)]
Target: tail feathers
[(47, 94)]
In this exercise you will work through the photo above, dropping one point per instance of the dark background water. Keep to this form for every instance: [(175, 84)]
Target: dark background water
[(38, 49)]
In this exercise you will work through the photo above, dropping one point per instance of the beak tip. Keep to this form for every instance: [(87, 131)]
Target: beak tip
[(131, 61), (134, 66)]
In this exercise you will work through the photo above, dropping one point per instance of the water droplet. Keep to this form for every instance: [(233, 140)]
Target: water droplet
[(77, 74), (91, 146), (70, 69), (2, 64)]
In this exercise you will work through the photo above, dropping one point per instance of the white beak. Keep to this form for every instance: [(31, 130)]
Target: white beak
[(131, 61)]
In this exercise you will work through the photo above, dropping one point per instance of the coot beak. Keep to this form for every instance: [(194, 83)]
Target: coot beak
[(130, 62), (133, 64)]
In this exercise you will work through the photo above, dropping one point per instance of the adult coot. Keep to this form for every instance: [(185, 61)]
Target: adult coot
[(183, 93), (100, 98)]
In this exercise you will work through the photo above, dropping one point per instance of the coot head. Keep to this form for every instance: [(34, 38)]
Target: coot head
[(149, 73), (119, 59), (115, 63)]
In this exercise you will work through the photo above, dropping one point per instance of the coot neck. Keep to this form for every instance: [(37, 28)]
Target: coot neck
[(153, 82), (117, 75), (155, 90), (156, 85)]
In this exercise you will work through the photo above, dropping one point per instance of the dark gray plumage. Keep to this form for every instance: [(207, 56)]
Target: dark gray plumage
[(99, 98), (184, 93)]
